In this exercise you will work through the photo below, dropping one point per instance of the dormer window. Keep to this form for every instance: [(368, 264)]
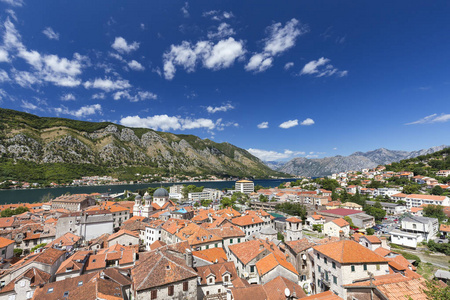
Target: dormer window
[(50, 290), (167, 267), (80, 283)]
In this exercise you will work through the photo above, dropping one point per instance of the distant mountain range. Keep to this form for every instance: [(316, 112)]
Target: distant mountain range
[(357, 161)]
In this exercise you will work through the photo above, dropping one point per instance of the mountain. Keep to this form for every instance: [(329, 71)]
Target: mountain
[(356, 161), (29, 143)]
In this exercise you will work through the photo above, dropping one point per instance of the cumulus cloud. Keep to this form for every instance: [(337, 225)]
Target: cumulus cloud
[(307, 122), (223, 30), (4, 55), (68, 97), (121, 45), (81, 112), (45, 68), (434, 118), (107, 84), (222, 108), (136, 66), (289, 124), (50, 33), (165, 123), (212, 56), (99, 96), (280, 39), (321, 68), (288, 65), (140, 96), (267, 155), (263, 125)]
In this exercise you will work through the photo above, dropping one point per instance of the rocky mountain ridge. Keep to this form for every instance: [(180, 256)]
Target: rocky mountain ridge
[(26, 137), (357, 161)]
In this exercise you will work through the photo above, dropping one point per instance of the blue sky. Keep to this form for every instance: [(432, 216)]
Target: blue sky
[(279, 78)]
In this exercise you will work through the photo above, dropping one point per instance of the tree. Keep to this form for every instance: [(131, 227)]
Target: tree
[(370, 231), (205, 203), (411, 189), (295, 209), (18, 252), (226, 202), (350, 221), (318, 227), (436, 292), (378, 205), (329, 184), (37, 247), (263, 198), (437, 190), (377, 213), (280, 236), (434, 211), (334, 196)]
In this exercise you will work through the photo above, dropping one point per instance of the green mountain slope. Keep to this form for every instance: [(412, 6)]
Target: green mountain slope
[(37, 149)]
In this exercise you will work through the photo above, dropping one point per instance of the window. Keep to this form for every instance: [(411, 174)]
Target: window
[(365, 267), (378, 267), (210, 280), (215, 245), (319, 268), (318, 256), (325, 260), (252, 269), (326, 276), (154, 294), (226, 278), (334, 279), (218, 291), (353, 268), (66, 294), (239, 240), (170, 292), (231, 241), (207, 246), (50, 290), (185, 286), (80, 283), (334, 265)]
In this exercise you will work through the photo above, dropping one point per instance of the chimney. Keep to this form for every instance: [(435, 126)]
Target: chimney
[(261, 246), (189, 258), (341, 235)]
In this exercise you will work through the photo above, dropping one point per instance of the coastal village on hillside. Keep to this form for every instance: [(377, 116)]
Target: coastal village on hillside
[(330, 238)]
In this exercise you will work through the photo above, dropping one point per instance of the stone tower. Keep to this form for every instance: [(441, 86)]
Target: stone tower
[(137, 205), (293, 229)]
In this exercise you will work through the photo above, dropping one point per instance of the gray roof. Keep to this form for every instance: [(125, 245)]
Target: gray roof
[(403, 233), (160, 193), (442, 274), (268, 230), (423, 220), (385, 204)]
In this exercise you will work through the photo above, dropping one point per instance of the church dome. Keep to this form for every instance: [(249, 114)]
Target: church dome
[(160, 193), (147, 196), (138, 197)]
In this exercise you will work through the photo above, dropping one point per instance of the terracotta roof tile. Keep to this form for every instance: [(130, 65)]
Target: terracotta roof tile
[(246, 251), (347, 252), (294, 220), (5, 242), (340, 222), (276, 287), (211, 255), (328, 295), (300, 245), (271, 261), (218, 270)]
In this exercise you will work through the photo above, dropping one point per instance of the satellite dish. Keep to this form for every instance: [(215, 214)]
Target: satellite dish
[(287, 292)]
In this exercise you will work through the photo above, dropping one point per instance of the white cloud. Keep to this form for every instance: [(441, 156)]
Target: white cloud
[(223, 54), (266, 155), (99, 96), (4, 77), (280, 39), (107, 84), (321, 68), (213, 56), (434, 118), (307, 122), (143, 26), (222, 108), (68, 97), (136, 66), (223, 30), (121, 45), (117, 56), (45, 68), (50, 33), (288, 65), (185, 10), (4, 55), (334, 148), (13, 2), (263, 125), (28, 105), (82, 111), (165, 123), (218, 15), (259, 63), (140, 96), (289, 124)]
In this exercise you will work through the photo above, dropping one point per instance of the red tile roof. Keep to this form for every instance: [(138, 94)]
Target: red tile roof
[(5, 242), (347, 252), (212, 255), (271, 261)]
